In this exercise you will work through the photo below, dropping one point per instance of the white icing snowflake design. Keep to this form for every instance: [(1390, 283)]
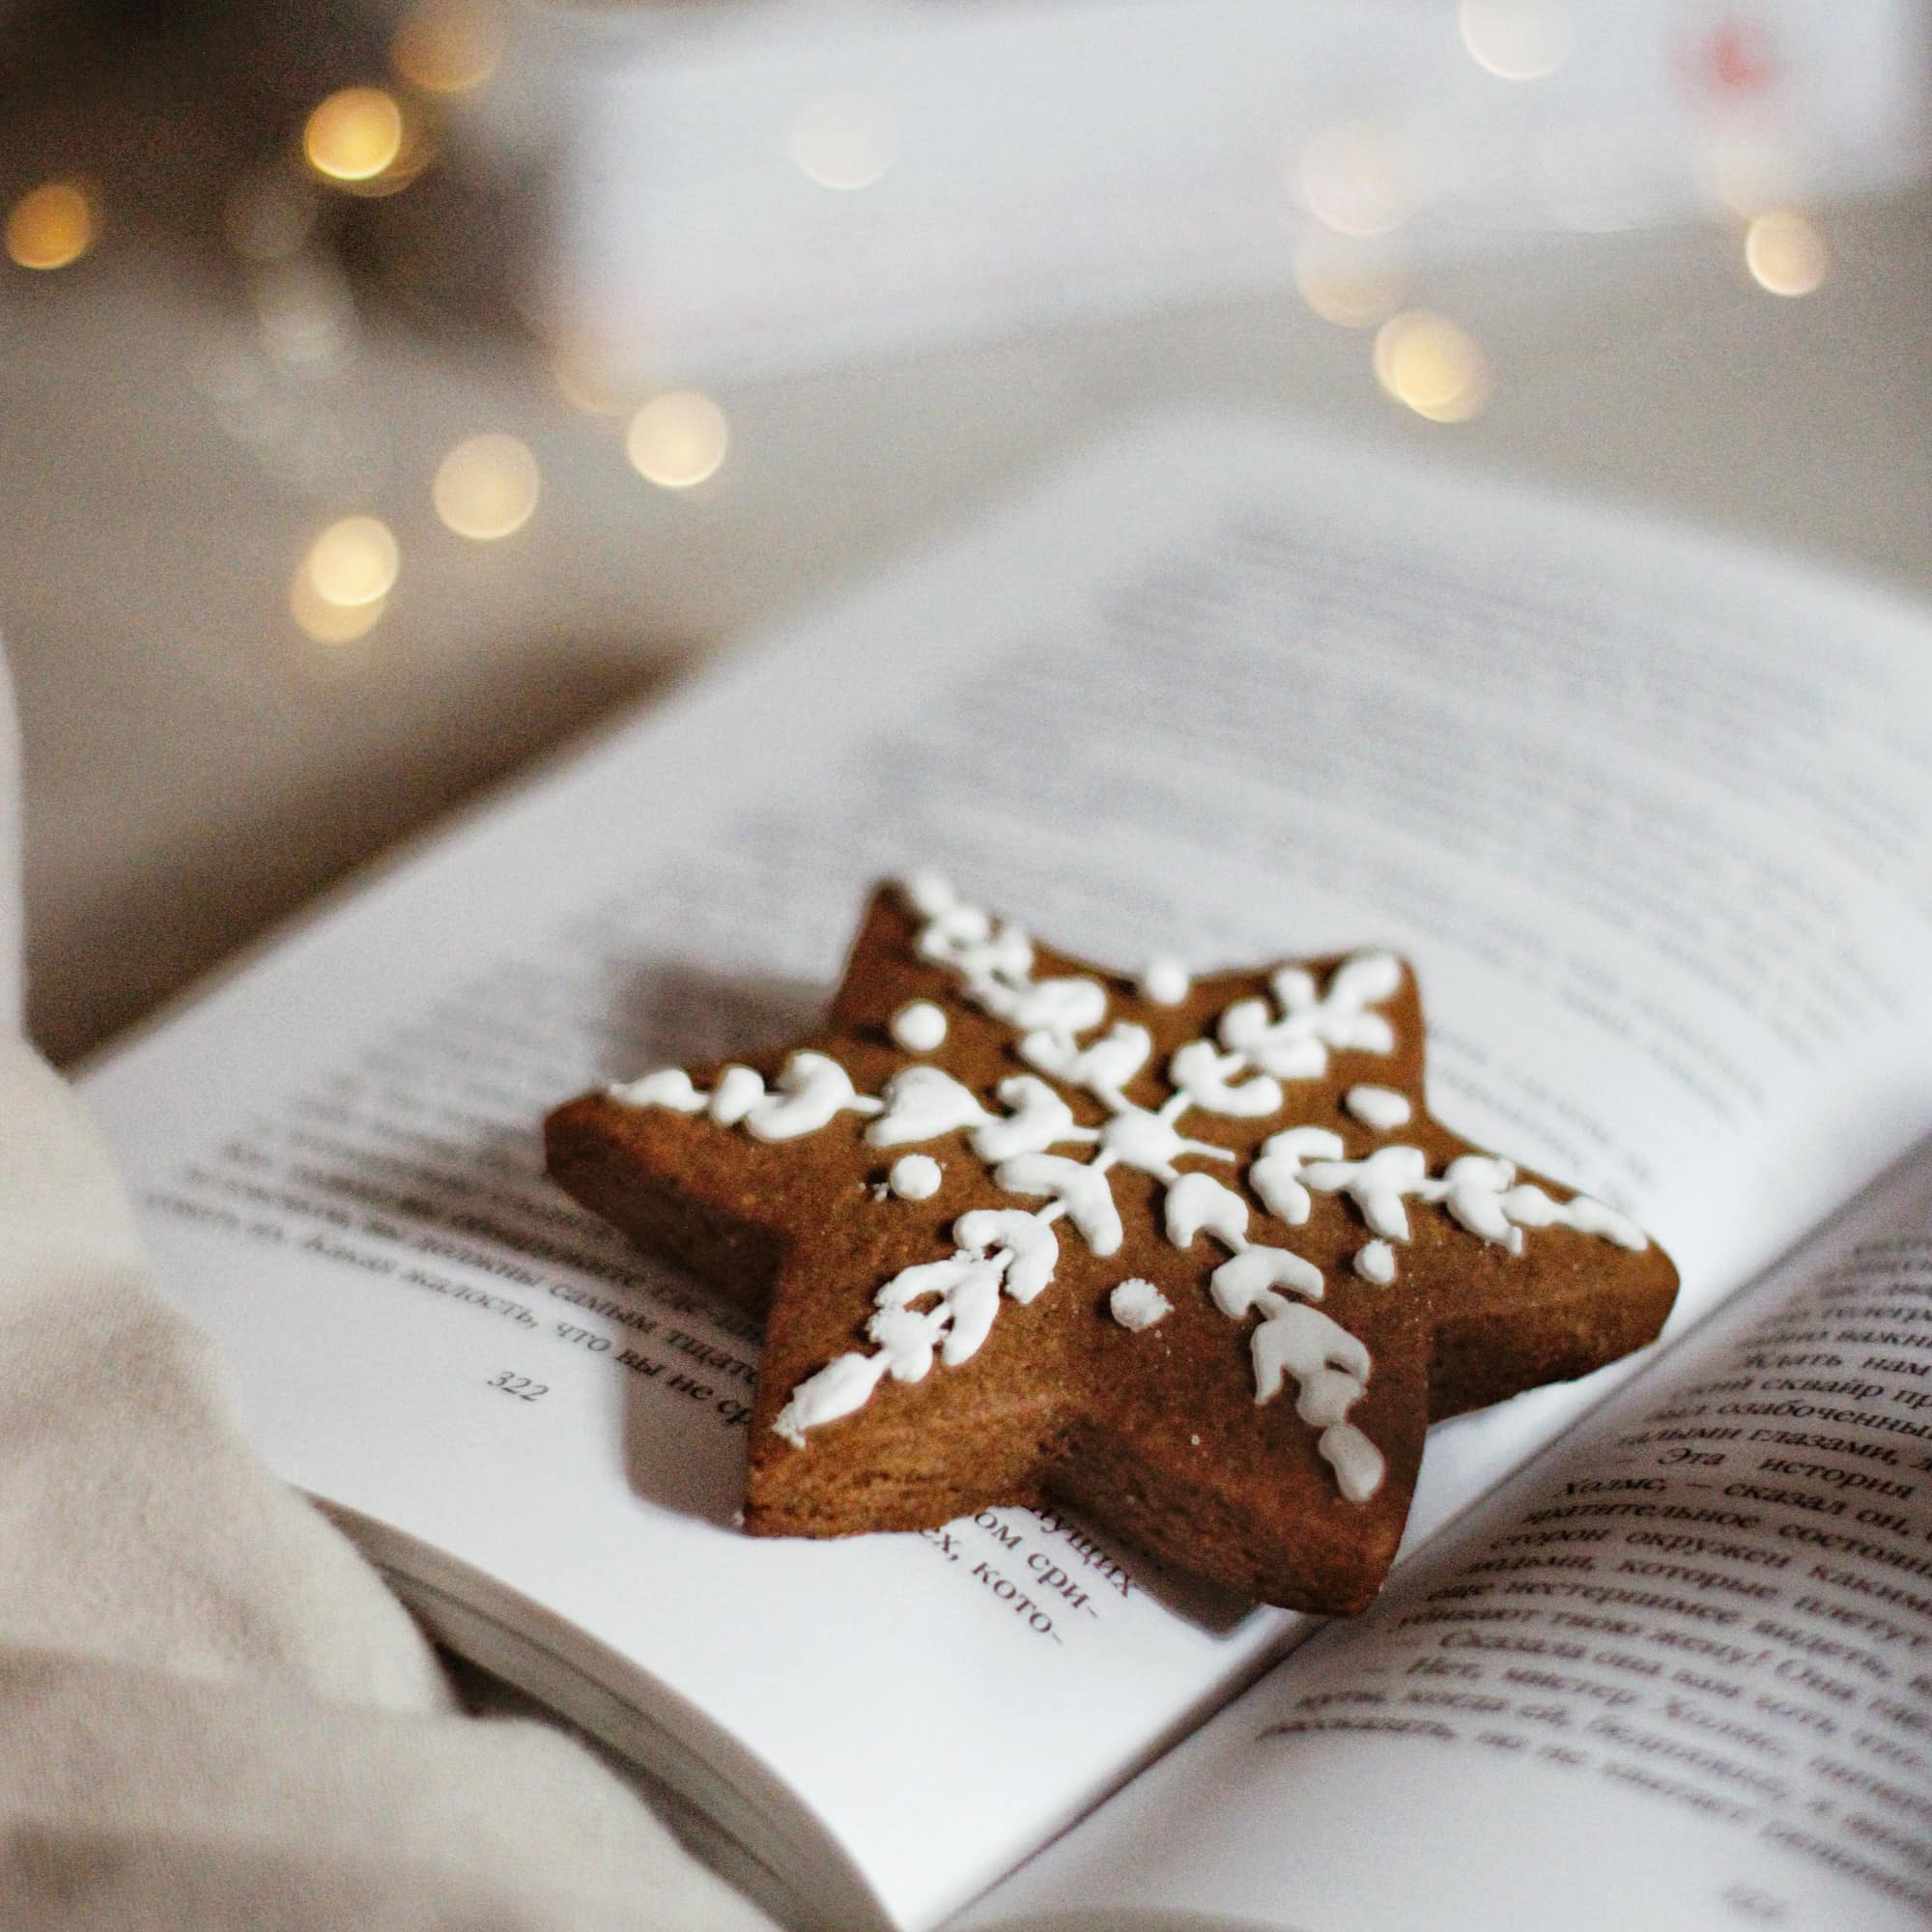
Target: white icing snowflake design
[(945, 1308)]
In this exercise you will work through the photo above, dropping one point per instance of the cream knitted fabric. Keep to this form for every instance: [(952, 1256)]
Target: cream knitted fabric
[(212, 1712)]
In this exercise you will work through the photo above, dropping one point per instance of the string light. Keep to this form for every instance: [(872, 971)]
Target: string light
[(677, 439), (1354, 179), (354, 562), (1345, 284), (844, 141), (1785, 254), (52, 225), (1516, 40), (487, 487), (448, 46), (355, 134), (1432, 366)]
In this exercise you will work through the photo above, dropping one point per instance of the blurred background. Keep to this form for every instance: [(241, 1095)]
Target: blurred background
[(387, 392)]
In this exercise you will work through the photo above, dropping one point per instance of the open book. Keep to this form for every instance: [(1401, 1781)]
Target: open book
[(1655, 821)]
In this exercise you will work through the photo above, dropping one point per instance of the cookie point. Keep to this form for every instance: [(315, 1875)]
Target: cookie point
[(928, 893)]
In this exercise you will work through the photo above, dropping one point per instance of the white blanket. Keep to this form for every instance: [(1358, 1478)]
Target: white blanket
[(212, 1712)]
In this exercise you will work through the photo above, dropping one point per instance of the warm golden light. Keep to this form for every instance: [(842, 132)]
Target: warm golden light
[(1432, 366), (354, 562), (487, 487), (1785, 254), (677, 439), (1516, 40), (1346, 284), (326, 623), (1354, 179), (52, 225), (448, 46), (844, 141), (355, 134), (418, 152)]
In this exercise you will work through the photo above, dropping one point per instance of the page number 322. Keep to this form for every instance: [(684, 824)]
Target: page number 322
[(520, 1386)]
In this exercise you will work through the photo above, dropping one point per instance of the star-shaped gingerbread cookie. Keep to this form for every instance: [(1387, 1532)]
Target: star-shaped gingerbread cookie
[(1188, 1255)]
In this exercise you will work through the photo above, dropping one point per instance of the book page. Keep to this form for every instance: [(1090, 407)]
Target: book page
[(1677, 1675), (1652, 819)]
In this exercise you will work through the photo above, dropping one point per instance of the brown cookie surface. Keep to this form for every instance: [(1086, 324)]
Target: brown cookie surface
[(1241, 1169)]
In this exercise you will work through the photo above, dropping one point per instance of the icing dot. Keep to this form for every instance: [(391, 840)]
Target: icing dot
[(919, 1027), (1166, 981), (1378, 1107), (915, 1177), (1375, 1263), (1138, 1304)]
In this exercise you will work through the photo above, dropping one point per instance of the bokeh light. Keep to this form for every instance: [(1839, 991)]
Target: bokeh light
[(1354, 179), (326, 623), (354, 562), (1345, 283), (844, 141), (52, 225), (355, 134), (1785, 254), (1432, 366), (678, 439), (487, 487), (1516, 40), (448, 46)]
